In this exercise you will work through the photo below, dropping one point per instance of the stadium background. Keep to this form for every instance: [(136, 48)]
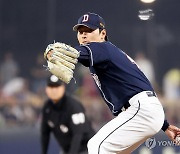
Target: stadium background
[(27, 27)]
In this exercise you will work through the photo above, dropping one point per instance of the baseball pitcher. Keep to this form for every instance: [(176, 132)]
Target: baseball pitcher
[(121, 83)]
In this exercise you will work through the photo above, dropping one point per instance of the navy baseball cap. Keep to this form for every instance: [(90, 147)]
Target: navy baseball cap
[(90, 20), (53, 81)]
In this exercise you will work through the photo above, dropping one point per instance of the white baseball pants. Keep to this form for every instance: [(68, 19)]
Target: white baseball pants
[(126, 132)]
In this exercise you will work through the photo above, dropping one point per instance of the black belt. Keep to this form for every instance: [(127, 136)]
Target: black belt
[(149, 94)]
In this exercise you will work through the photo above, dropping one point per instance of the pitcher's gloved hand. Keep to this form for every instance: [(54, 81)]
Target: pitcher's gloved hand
[(61, 59)]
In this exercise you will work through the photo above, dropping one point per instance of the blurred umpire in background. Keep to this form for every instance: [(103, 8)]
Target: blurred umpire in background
[(65, 117)]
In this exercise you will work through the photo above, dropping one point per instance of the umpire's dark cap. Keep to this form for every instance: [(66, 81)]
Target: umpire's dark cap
[(90, 20), (53, 81)]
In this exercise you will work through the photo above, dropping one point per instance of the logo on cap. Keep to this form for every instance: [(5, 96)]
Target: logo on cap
[(53, 81), (53, 78), (90, 20), (102, 25), (85, 18)]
